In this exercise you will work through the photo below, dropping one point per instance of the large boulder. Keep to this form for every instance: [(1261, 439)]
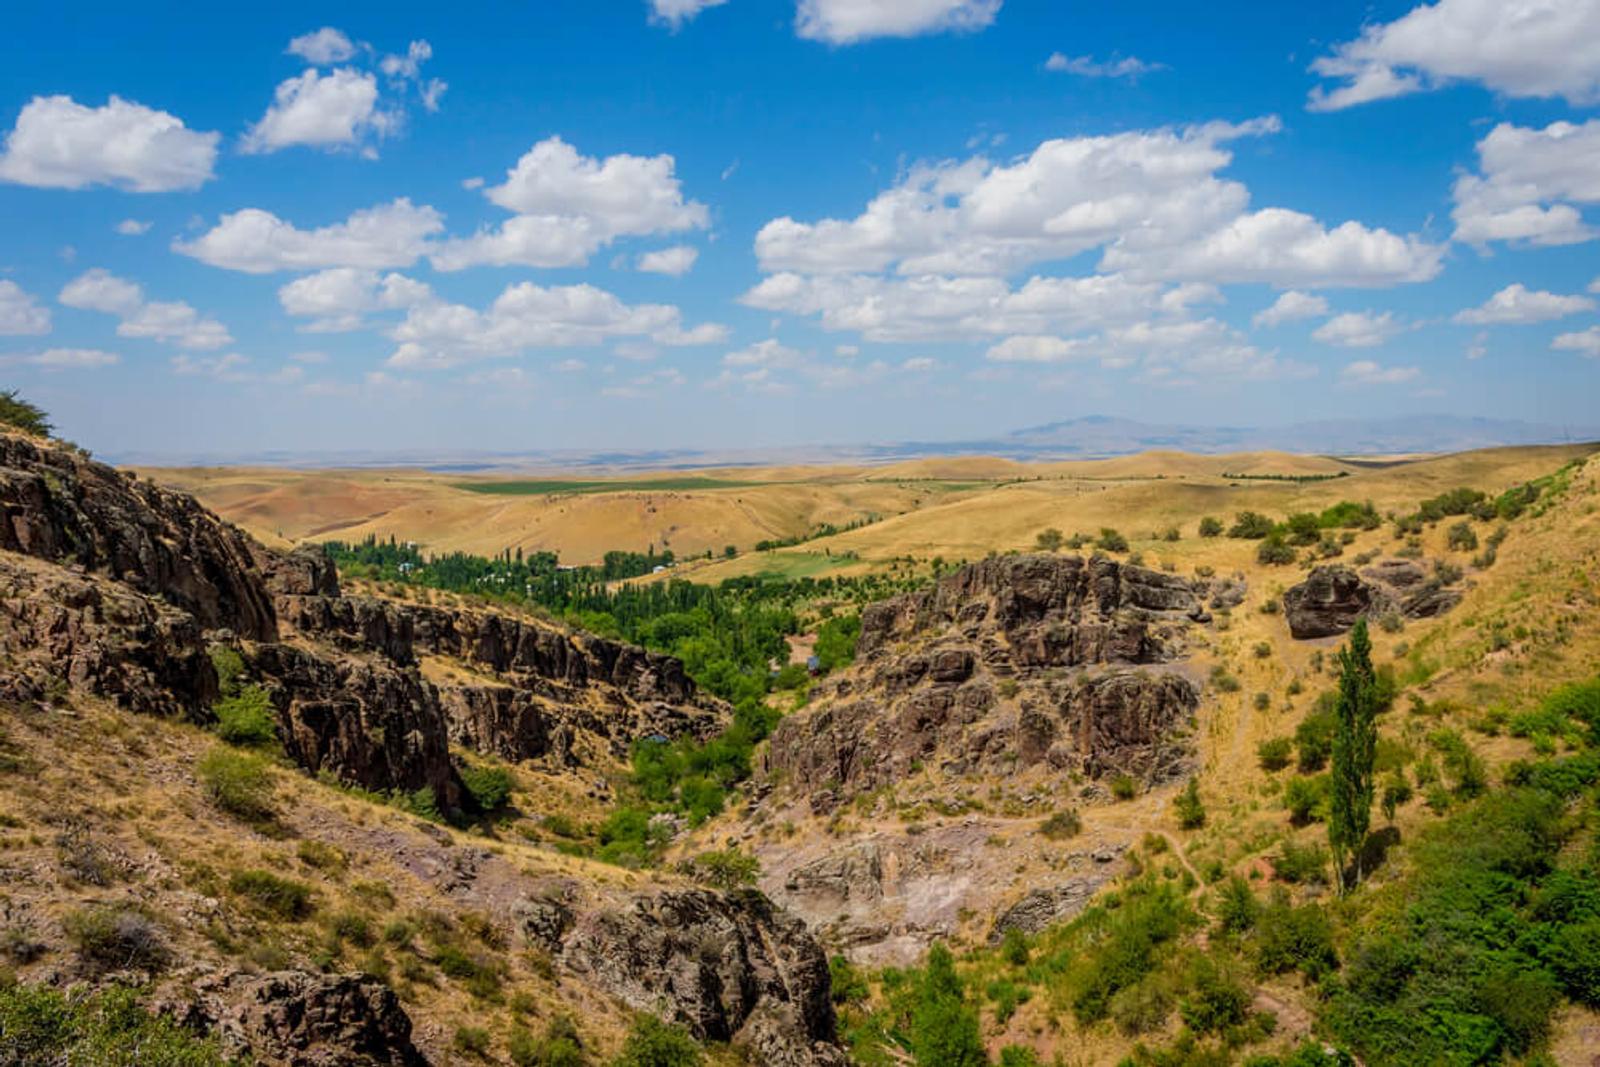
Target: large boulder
[(1334, 596)]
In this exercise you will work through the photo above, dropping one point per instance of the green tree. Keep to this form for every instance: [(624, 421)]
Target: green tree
[(944, 1027), (1355, 741), (18, 414)]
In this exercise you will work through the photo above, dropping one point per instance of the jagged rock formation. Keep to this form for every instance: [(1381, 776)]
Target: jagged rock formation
[(121, 589), (291, 1017), (1005, 664), (730, 967), (140, 581), (1334, 596)]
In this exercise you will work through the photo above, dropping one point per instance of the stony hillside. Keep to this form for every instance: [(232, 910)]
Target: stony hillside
[(266, 897)]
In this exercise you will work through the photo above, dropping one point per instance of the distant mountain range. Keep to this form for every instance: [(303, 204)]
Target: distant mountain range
[(1089, 437), (1099, 435)]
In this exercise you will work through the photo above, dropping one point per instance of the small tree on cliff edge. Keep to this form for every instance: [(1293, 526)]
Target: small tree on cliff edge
[(1355, 740), (18, 414), (944, 1028)]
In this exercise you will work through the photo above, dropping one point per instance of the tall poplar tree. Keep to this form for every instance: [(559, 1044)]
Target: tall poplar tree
[(1355, 742)]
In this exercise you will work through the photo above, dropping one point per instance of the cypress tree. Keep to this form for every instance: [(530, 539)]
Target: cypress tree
[(1355, 741)]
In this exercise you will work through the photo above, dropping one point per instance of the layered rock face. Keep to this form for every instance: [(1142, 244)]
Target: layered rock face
[(1333, 597), (58, 506), (1005, 664), (120, 587), (730, 967)]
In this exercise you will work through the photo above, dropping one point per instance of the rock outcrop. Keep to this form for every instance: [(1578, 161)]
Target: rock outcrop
[(59, 506), (1005, 664), (301, 1019), (730, 967), (1334, 596), (120, 587)]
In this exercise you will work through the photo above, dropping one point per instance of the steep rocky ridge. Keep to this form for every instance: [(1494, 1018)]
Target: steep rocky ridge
[(1334, 596), (1030, 680), (114, 590), (1004, 664)]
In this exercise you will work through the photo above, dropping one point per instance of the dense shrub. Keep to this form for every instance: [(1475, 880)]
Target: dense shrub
[(1289, 937), (43, 1025), (1274, 753), (1062, 825), (1210, 527), (1124, 945), (1296, 863), (489, 786), (944, 1027), (1250, 525), (239, 783), (1274, 550), (1111, 541), (247, 717)]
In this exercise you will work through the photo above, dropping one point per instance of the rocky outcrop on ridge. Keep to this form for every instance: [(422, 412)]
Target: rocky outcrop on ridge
[(1001, 665), (730, 967), (120, 587), (1334, 596)]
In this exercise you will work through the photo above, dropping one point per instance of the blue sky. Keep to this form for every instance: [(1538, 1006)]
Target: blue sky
[(749, 223)]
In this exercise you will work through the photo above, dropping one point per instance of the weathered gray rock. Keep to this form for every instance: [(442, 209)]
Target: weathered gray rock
[(1334, 596), (306, 1020), (728, 966)]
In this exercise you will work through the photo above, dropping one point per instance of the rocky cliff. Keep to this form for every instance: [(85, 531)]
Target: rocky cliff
[(1333, 597), (1002, 665), (115, 589)]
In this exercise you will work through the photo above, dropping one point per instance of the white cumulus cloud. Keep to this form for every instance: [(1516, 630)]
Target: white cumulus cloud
[(1036, 348), (58, 143), (133, 227), (1531, 185), (1522, 48), (338, 299), (674, 13), (174, 322), (1358, 329), (853, 21), (259, 242), (527, 316), (332, 110), (1584, 342), (567, 206), (1290, 306), (1089, 67), (323, 47), (1518, 304), (20, 314), (676, 261)]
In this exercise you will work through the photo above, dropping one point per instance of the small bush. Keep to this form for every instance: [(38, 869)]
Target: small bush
[(239, 784), (726, 869), (560, 1046), (1251, 526), (1190, 808), (117, 938), (1306, 798), (847, 984), (1301, 864), (1142, 1008), (1274, 754), (1062, 825), (1461, 537), (1124, 787), (1210, 526), (1290, 938), (1217, 1000), (1236, 906), (1275, 551), (490, 787), (247, 718), (653, 1043), (283, 897), (1014, 947), (1111, 541)]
